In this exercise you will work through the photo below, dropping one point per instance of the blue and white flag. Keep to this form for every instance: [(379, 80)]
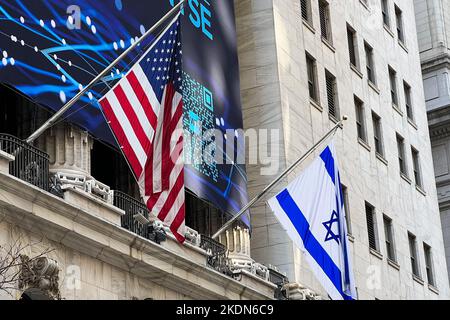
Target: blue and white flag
[(311, 210)]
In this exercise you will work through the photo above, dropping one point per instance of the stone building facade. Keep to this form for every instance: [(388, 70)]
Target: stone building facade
[(74, 241), (303, 65), (289, 50), (433, 21)]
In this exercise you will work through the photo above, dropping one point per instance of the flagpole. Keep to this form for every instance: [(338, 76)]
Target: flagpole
[(340, 124), (77, 97)]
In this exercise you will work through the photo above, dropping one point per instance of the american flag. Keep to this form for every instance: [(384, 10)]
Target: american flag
[(144, 111)]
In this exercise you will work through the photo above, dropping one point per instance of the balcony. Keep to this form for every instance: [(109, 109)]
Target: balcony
[(31, 165)]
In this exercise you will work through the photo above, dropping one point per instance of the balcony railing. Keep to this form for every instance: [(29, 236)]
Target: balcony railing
[(30, 164), (217, 255), (136, 218), (132, 208)]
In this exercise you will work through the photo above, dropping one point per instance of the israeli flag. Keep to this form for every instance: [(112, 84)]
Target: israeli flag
[(311, 210)]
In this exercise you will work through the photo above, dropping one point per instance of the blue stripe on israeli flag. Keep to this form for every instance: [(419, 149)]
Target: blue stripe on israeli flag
[(311, 211)]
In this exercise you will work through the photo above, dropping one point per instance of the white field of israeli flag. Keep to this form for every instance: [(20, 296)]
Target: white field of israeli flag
[(311, 210)]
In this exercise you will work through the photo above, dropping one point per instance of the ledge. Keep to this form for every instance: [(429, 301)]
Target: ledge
[(333, 119), (316, 105), (356, 70), (405, 177), (6, 156), (421, 191), (248, 277), (418, 280), (433, 289), (397, 108), (365, 5), (403, 46), (328, 44), (393, 264), (388, 29), (85, 201), (170, 264), (5, 159), (412, 123), (381, 158), (376, 253), (309, 26), (373, 86), (364, 144)]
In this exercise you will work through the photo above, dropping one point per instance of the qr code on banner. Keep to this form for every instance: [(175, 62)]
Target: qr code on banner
[(198, 119)]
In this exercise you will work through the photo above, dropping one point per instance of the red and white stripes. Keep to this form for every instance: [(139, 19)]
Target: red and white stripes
[(150, 134), (165, 175)]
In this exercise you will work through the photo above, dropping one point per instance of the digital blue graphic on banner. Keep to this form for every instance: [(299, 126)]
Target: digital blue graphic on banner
[(51, 49)]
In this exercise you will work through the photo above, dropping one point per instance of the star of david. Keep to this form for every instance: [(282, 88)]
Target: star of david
[(329, 225)]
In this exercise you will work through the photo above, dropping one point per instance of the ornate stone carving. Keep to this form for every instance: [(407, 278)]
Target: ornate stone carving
[(71, 179), (40, 273), (298, 292), (192, 236), (100, 190), (261, 271)]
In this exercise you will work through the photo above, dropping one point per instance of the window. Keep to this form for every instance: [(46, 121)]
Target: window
[(389, 238), (413, 253), (370, 67), (360, 122), (325, 21), (429, 264), (346, 208), (371, 227), (332, 96), (416, 167), (312, 78), (399, 21), (305, 7), (352, 46), (401, 155), (377, 136), (408, 101), (393, 83), (385, 13)]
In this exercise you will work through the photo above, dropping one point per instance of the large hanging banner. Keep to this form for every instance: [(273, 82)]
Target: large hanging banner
[(50, 49)]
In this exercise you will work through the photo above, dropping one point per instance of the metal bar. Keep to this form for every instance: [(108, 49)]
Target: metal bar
[(69, 104), (279, 178)]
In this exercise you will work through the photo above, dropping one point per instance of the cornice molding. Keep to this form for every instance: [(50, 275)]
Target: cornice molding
[(440, 132), (435, 63)]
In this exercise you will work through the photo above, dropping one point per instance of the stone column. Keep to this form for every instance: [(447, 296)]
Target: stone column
[(69, 149), (237, 242)]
